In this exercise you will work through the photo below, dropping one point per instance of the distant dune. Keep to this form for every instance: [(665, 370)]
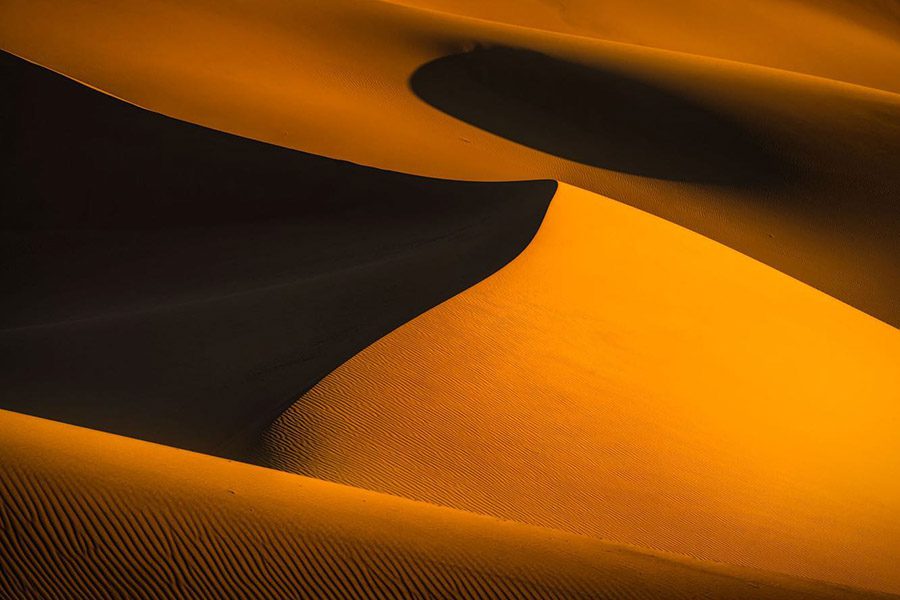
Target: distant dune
[(846, 40), (551, 299), (601, 384), (333, 78), (184, 286), (87, 515)]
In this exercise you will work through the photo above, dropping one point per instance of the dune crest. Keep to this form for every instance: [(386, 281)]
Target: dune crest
[(157, 272), (627, 379), (333, 78), (314, 235), (602, 118), (847, 40)]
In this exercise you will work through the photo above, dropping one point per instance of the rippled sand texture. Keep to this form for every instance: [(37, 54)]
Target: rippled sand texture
[(334, 78), (601, 384), (679, 381), (88, 515), (183, 286)]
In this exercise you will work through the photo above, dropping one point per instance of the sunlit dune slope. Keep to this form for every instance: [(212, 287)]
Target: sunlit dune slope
[(627, 379), (181, 285), (848, 40), (334, 78), (86, 514)]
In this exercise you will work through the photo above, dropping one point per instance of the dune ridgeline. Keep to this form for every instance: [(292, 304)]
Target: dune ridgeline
[(444, 298)]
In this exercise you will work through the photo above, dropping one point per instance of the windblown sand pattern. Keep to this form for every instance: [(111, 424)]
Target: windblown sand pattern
[(315, 236), (336, 79), (91, 515), (181, 285), (593, 385)]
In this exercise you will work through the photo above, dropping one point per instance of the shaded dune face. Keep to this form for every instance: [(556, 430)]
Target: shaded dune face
[(627, 379), (246, 69), (800, 176), (182, 285), (141, 523), (491, 418), (601, 118)]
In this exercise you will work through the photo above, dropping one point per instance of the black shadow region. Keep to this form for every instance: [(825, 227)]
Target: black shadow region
[(178, 284), (601, 118)]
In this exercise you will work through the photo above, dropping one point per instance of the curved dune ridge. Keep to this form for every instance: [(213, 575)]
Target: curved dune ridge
[(847, 40), (601, 384), (600, 117), (86, 514), (676, 381), (334, 78), (184, 286)]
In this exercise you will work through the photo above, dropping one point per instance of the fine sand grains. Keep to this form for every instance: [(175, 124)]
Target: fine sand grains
[(85, 514), (630, 380)]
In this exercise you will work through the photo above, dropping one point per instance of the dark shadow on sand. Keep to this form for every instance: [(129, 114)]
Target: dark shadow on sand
[(600, 118), (173, 283)]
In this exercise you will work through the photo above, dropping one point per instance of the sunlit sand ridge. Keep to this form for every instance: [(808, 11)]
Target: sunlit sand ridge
[(87, 515), (627, 379), (333, 78), (183, 286), (717, 388), (847, 40)]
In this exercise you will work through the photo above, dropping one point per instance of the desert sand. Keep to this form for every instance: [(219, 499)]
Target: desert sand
[(334, 78), (503, 299), (601, 385), (182, 285), (87, 514), (846, 40)]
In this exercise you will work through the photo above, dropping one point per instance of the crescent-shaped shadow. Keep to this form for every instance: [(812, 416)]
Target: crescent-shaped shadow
[(601, 118)]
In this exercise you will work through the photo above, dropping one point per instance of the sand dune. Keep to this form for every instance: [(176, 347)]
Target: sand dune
[(716, 386), (184, 286), (847, 40), (334, 79), (602, 118), (627, 379), (87, 515)]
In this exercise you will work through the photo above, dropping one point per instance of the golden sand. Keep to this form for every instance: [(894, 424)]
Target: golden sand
[(627, 379), (720, 383), (87, 514), (847, 40), (332, 78)]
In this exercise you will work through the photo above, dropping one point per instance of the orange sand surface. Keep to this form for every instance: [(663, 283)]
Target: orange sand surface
[(86, 514), (183, 286), (333, 78), (847, 40), (627, 379), (697, 355)]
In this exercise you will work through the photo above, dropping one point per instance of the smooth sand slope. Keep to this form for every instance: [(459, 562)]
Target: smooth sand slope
[(91, 515), (334, 79), (627, 379), (847, 40), (624, 378), (181, 285), (811, 189)]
